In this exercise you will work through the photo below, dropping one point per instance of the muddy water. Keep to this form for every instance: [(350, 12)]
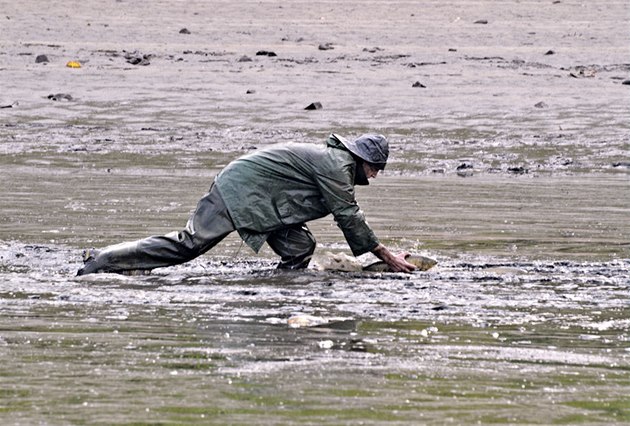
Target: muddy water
[(510, 168)]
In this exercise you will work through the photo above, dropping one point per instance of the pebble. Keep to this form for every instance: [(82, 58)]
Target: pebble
[(60, 97), (541, 105), (314, 106), (245, 58), (626, 82), (481, 21), (520, 170), (326, 344), (134, 58), (418, 84), (326, 46), (550, 52), (465, 170), (266, 53), (41, 59), (184, 31)]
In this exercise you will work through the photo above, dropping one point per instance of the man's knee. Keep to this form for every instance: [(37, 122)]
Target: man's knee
[(295, 246)]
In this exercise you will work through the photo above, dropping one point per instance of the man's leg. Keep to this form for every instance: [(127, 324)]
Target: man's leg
[(209, 224), (295, 245)]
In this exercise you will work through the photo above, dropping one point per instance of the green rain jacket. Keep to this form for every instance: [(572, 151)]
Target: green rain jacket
[(291, 184)]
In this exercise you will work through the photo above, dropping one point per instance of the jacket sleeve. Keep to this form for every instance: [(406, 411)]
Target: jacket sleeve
[(338, 195)]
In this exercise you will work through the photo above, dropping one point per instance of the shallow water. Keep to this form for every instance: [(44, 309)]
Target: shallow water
[(525, 320)]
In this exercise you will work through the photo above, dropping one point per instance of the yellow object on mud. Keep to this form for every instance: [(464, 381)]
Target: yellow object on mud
[(73, 64)]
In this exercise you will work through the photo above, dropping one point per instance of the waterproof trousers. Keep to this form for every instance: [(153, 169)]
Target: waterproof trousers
[(209, 224)]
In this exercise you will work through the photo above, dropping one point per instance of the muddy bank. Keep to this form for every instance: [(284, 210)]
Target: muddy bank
[(509, 132), (538, 88)]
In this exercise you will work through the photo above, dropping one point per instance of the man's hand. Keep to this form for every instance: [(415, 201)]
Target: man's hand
[(397, 263)]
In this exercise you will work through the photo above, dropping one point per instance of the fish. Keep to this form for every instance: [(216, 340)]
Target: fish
[(423, 263), (341, 262)]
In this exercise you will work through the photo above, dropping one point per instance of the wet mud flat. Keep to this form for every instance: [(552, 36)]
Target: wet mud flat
[(509, 165), (474, 340), (524, 320)]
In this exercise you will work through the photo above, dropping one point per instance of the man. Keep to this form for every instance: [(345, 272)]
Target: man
[(268, 196)]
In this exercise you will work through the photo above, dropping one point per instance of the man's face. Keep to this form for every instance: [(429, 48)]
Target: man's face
[(370, 171)]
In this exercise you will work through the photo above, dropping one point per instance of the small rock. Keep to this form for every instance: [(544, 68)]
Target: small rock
[(245, 58), (418, 84), (481, 21), (250, 91), (439, 308), (134, 58), (184, 31), (265, 53), (626, 82), (520, 170), (372, 49), (465, 170), (541, 105), (313, 106), (624, 164), (326, 344), (550, 52), (452, 50), (60, 97), (41, 59), (326, 46)]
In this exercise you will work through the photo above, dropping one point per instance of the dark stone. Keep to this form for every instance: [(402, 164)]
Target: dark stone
[(60, 97), (624, 164), (452, 50), (250, 91), (439, 308), (541, 105), (326, 46), (481, 21), (550, 52), (135, 58), (313, 106), (41, 59), (184, 31), (418, 84), (372, 49), (265, 53), (626, 82), (465, 170), (245, 58), (520, 170)]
